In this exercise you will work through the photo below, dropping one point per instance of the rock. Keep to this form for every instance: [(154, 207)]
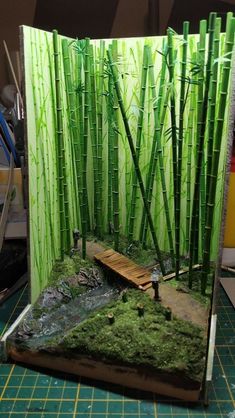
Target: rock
[(182, 289), (72, 280), (89, 277), (64, 289), (50, 297)]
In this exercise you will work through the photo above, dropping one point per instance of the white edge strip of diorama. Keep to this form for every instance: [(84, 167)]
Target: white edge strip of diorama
[(3, 340), (211, 348)]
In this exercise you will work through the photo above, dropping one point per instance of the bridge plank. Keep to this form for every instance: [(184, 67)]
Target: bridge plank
[(125, 268)]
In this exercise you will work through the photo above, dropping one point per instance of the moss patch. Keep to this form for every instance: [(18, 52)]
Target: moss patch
[(67, 268), (61, 280), (149, 340)]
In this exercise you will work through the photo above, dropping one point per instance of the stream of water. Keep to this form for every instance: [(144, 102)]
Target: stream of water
[(35, 333)]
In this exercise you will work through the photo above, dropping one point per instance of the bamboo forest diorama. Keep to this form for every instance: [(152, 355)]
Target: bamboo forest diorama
[(127, 144)]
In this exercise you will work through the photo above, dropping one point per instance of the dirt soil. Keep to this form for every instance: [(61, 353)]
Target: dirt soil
[(183, 305)]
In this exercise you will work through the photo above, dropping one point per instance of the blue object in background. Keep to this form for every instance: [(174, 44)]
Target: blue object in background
[(6, 153), (8, 141)]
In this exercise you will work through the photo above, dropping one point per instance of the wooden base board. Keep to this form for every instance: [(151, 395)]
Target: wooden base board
[(121, 375)]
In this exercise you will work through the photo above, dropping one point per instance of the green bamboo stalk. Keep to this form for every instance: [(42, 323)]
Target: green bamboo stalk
[(202, 209), (52, 77), (157, 103), (209, 70), (134, 157), (183, 99), (60, 145), (212, 103), (53, 104), (115, 171), (100, 85), (84, 151), (45, 152), (162, 82), (157, 153), (200, 93), (188, 187), (174, 138), (223, 94), (163, 183), (143, 83), (93, 129), (200, 144), (164, 110), (194, 230), (190, 136), (80, 49), (73, 125), (80, 107), (110, 102), (43, 214)]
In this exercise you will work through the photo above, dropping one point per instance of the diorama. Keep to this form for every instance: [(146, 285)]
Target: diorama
[(127, 146)]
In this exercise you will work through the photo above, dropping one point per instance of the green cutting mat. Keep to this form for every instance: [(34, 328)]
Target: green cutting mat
[(25, 392)]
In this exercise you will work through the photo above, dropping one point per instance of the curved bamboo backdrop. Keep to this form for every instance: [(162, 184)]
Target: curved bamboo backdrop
[(91, 127)]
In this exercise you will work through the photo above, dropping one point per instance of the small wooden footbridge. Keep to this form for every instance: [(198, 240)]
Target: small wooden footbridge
[(124, 267), (128, 270)]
